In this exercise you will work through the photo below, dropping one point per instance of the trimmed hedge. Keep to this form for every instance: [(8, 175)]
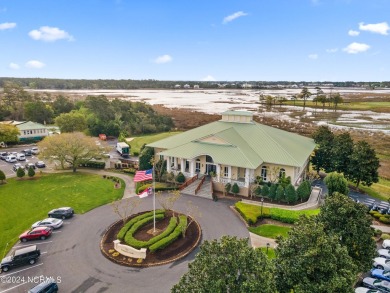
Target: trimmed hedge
[(158, 187), (385, 220), (129, 235), (129, 171), (127, 226), (145, 244), (250, 212), (289, 216), (172, 237), (94, 164), (385, 236)]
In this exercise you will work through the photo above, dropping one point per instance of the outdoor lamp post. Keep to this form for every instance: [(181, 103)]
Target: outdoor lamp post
[(261, 210), (268, 245)]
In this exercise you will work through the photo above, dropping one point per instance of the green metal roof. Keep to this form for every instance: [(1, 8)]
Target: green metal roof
[(30, 125), (246, 145), (237, 113)]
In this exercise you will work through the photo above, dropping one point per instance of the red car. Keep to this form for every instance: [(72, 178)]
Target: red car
[(36, 233)]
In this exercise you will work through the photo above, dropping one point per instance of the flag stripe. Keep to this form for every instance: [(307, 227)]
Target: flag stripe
[(145, 193), (143, 175)]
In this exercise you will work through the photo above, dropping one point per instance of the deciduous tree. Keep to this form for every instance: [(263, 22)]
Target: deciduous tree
[(71, 122), (335, 182), (310, 260), (125, 207), (145, 159), (72, 148), (230, 265), (8, 133), (341, 152), (350, 223), (364, 164), (2, 177), (20, 173)]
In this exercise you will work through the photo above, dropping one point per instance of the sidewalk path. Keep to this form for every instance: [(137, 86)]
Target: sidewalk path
[(259, 241)]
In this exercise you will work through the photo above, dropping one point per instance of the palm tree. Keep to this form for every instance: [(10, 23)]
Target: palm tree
[(304, 95)]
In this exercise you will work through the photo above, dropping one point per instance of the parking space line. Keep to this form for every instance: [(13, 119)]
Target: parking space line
[(56, 232), (22, 270), (13, 287), (43, 252), (32, 244)]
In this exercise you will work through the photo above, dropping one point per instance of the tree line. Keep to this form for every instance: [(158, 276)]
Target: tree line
[(129, 84), (94, 115), (339, 153)]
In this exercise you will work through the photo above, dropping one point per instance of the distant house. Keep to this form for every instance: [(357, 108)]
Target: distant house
[(29, 130), (177, 86), (236, 149), (247, 86), (186, 86), (196, 87)]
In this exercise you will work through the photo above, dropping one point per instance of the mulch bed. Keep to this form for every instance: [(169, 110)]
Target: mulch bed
[(177, 250)]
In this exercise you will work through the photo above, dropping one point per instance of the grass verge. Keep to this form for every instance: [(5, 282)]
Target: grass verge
[(23, 202), (270, 253)]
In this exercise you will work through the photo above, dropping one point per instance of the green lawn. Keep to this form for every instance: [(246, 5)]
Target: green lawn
[(270, 253), (24, 202), (270, 231), (362, 106), (139, 141), (380, 190)]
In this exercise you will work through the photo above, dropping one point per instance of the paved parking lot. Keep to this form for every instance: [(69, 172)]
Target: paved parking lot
[(7, 167)]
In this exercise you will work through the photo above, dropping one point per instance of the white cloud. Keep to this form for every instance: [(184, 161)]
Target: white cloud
[(332, 50), (233, 16), (377, 28), (50, 34), (163, 59), (13, 66), (313, 56), (355, 48), (208, 78), (35, 64), (353, 33), (7, 25)]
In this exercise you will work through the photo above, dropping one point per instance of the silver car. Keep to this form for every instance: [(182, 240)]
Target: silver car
[(49, 222), (377, 284), (366, 290), (381, 263), (384, 253)]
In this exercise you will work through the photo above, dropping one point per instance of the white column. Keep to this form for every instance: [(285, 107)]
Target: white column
[(192, 168), (218, 172), (168, 164), (230, 173), (175, 163), (182, 165), (247, 177)]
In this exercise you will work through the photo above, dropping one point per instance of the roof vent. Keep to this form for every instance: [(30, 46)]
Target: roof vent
[(237, 116)]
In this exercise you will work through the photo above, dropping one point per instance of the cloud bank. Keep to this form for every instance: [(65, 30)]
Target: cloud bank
[(355, 48), (50, 34)]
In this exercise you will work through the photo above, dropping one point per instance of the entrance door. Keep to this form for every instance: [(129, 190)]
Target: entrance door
[(197, 166), (211, 168)]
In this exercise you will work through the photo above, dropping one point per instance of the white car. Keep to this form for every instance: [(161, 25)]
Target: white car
[(49, 222), (384, 253), (35, 150), (386, 243), (381, 263), (20, 157), (10, 159), (366, 290)]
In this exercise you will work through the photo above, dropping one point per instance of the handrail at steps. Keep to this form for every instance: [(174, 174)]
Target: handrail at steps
[(200, 184), (188, 182)]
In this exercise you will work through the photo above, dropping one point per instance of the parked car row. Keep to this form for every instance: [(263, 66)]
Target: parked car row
[(379, 279), (39, 164), (39, 230)]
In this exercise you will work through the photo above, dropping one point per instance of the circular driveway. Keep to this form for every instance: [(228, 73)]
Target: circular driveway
[(75, 257)]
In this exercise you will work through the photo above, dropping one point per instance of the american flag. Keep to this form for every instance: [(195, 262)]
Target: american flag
[(143, 175)]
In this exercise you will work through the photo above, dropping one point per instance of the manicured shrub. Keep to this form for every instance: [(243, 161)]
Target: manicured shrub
[(145, 244), (134, 220), (20, 173), (385, 236), (228, 187), (31, 172), (235, 189), (265, 190), (272, 192), (377, 232), (291, 195), (172, 237), (158, 187), (377, 215), (94, 164), (136, 154), (129, 237), (280, 194), (2, 177), (180, 178), (384, 220), (129, 171)]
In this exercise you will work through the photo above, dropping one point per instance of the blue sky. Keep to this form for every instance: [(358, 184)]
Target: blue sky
[(296, 40)]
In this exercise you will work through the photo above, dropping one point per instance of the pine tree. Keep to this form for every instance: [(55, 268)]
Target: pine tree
[(272, 192), (291, 195), (20, 173), (31, 172), (280, 193)]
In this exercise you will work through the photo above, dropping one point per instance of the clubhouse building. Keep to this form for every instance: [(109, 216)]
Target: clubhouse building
[(236, 149)]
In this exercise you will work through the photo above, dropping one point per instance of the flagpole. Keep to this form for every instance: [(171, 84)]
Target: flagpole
[(154, 202)]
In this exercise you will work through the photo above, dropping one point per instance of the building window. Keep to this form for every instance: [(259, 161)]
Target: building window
[(209, 159), (264, 173), (282, 173), (226, 172), (197, 166)]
